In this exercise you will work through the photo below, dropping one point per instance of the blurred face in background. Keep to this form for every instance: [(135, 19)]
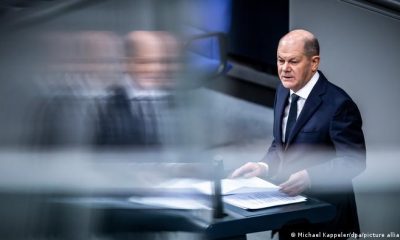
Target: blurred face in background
[(154, 59)]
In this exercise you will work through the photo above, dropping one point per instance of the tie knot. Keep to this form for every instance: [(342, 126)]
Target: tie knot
[(294, 97), (119, 96)]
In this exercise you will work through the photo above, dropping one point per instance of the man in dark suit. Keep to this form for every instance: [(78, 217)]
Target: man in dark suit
[(138, 109), (318, 145)]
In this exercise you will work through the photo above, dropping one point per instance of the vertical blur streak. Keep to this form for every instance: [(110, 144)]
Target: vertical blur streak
[(80, 66)]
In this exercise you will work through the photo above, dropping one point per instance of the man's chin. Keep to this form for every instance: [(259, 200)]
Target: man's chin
[(287, 84)]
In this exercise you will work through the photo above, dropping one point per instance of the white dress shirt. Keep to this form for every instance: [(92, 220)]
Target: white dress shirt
[(303, 94), (154, 109)]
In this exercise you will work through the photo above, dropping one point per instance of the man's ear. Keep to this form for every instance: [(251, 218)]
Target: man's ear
[(314, 63)]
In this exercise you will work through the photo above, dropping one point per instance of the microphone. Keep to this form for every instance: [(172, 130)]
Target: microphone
[(218, 207)]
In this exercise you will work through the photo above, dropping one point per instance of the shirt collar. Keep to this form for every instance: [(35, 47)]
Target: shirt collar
[(134, 91), (306, 90)]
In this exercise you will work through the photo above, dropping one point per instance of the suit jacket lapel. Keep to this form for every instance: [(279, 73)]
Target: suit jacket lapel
[(280, 108), (311, 105)]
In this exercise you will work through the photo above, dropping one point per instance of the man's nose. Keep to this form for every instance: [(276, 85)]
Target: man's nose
[(286, 67)]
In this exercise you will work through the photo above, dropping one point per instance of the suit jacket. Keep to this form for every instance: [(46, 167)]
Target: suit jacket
[(327, 141), (132, 120), (119, 121)]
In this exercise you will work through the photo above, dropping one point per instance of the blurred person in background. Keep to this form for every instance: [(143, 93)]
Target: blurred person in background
[(138, 110), (318, 145)]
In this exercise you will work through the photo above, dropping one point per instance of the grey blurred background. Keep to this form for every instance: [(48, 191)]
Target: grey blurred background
[(359, 52)]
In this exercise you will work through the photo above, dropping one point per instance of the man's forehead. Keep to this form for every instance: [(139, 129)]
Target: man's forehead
[(290, 54), (290, 49)]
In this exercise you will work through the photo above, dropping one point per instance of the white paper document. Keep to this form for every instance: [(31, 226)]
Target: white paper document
[(228, 186), (246, 193), (237, 186), (261, 199)]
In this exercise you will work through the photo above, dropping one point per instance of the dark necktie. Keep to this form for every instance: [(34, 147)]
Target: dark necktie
[(118, 124), (292, 117)]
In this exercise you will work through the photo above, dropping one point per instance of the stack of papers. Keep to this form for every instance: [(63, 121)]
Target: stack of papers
[(237, 186), (246, 193), (261, 200)]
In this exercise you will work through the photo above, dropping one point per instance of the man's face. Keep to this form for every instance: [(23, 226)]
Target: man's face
[(295, 69), (156, 62)]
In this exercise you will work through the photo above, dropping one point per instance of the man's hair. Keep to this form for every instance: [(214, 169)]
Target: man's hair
[(311, 47)]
